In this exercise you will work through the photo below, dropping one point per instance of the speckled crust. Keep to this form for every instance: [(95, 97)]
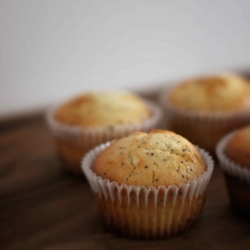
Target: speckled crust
[(219, 93), (103, 109), (157, 158), (238, 147), (137, 200)]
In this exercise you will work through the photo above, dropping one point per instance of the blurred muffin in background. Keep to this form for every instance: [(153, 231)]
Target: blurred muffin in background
[(149, 185), (96, 117), (204, 109), (233, 152)]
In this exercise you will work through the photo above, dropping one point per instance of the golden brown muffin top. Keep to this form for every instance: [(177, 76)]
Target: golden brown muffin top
[(238, 147), (104, 109), (225, 92), (157, 158)]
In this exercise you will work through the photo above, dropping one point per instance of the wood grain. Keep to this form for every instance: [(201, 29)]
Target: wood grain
[(43, 207)]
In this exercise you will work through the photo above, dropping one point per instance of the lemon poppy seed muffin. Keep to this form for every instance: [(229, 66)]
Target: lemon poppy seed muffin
[(204, 109), (150, 159), (104, 109), (83, 122), (148, 185), (212, 94), (234, 154)]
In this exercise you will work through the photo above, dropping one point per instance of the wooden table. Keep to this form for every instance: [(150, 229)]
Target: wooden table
[(41, 206)]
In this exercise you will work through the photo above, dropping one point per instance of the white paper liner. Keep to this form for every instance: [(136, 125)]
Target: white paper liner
[(229, 166), (106, 188), (207, 122), (172, 213), (90, 137)]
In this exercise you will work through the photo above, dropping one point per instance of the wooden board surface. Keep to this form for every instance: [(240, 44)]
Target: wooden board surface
[(43, 207)]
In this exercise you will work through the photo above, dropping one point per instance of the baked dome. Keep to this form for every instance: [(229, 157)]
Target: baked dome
[(218, 93), (157, 158), (104, 109)]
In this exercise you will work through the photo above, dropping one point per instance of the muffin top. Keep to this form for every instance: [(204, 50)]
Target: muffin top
[(157, 158), (104, 109), (225, 92), (238, 147)]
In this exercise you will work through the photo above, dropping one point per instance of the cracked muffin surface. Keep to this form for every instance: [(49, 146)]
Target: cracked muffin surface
[(157, 158)]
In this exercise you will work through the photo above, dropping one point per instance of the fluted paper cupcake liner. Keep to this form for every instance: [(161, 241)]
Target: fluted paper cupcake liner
[(90, 137), (140, 212), (229, 166), (202, 128)]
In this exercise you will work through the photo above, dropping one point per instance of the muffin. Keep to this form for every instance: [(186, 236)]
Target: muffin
[(204, 109), (233, 152), (148, 185), (92, 118)]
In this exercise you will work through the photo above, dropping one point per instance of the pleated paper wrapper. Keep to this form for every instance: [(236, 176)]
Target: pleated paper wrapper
[(147, 213)]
